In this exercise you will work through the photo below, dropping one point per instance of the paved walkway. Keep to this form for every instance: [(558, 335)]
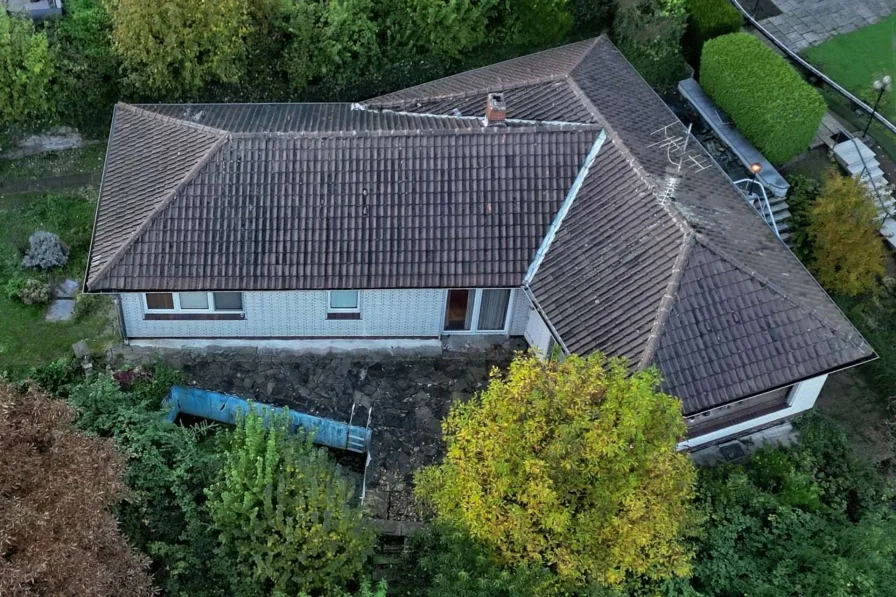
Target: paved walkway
[(805, 23)]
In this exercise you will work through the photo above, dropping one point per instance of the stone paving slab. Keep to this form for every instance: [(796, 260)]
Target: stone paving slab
[(805, 23), (409, 395)]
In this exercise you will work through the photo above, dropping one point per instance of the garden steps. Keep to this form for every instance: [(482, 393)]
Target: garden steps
[(860, 161)]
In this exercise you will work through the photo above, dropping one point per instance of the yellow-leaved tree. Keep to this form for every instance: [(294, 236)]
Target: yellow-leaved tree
[(844, 224), (570, 465)]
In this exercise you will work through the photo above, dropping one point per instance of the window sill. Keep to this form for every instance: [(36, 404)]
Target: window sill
[(193, 316), (343, 316)]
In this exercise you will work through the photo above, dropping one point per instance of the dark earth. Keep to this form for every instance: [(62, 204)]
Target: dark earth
[(407, 396)]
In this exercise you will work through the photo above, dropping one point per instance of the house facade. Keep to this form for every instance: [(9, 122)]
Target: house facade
[(553, 197)]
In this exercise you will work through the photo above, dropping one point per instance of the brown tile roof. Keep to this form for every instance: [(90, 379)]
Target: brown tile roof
[(446, 202), (412, 190)]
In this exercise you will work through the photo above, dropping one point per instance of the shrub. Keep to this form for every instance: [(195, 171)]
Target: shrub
[(59, 536), (29, 290), (444, 561), (46, 251), (708, 19), (648, 33), (805, 521), (283, 513), (804, 191), (844, 225), (764, 96), (570, 465)]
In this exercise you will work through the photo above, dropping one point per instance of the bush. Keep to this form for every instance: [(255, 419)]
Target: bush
[(708, 19), (283, 513), (534, 470), (811, 520), (26, 68), (29, 290), (763, 95), (844, 226), (46, 251), (804, 191), (648, 33)]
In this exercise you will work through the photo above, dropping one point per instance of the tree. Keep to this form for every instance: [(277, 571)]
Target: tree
[(843, 226), (26, 68), (570, 465), (440, 27), (648, 33), (58, 535), (172, 48), (284, 515)]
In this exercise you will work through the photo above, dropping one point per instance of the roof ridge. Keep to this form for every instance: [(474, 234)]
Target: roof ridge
[(369, 104), (715, 248), (665, 308), (113, 259), (170, 119)]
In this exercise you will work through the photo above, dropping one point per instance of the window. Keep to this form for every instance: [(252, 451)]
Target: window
[(343, 304), (477, 311), (194, 302), (344, 300)]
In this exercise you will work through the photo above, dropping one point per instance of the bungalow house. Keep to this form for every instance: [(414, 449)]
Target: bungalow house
[(553, 196)]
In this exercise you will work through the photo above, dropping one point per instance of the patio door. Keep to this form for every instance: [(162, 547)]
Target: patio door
[(473, 310)]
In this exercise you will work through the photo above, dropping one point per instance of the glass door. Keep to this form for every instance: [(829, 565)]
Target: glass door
[(459, 310)]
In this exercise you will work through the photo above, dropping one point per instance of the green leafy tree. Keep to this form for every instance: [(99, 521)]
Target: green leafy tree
[(648, 33), (172, 48), (26, 68), (440, 27), (571, 466), (86, 80), (283, 514), (808, 521), (535, 23), (843, 226)]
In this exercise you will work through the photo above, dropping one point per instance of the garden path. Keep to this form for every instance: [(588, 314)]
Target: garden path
[(804, 23)]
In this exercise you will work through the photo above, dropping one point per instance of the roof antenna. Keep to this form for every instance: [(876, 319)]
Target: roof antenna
[(675, 140)]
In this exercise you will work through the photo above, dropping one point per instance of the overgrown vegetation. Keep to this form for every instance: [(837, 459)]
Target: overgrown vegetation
[(535, 470), (25, 71), (649, 33), (765, 97), (58, 535)]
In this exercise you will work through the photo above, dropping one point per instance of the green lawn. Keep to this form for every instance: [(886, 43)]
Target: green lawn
[(856, 59), (56, 163), (25, 338)]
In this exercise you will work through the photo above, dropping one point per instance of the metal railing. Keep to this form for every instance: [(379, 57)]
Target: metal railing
[(765, 206), (796, 58)]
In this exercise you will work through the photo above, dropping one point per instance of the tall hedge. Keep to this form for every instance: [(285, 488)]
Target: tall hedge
[(708, 19), (765, 97)]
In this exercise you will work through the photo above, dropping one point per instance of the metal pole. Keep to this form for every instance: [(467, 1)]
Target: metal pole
[(750, 188), (880, 94)]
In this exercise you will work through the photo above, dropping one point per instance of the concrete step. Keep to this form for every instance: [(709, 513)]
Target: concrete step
[(852, 151), (859, 167)]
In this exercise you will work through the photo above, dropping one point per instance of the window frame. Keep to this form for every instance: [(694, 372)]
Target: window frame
[(212, 308), (332, 309), (477, 304)]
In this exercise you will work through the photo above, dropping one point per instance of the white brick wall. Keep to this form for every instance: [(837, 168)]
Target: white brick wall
[(395, 313), (384, 313)]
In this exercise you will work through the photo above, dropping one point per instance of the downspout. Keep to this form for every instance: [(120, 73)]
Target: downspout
[(122, 328)]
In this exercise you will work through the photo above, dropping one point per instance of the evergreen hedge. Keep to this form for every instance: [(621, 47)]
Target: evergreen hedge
[(763, 95), (708, 19)]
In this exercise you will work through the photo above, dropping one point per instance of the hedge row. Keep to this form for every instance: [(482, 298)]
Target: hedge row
[(708, 19), (763, 95)]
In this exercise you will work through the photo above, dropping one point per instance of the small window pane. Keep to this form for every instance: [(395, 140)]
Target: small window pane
[(343, 299), (228, 301), (194, 300), (159, 300)]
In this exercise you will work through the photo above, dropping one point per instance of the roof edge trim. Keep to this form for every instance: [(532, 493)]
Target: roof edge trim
[(665, 307), (564, 208), (113, 259), (96, 212)]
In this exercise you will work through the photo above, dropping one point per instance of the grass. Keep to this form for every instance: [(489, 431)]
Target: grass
[(55, 163), (27, 340), (856, 59)]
